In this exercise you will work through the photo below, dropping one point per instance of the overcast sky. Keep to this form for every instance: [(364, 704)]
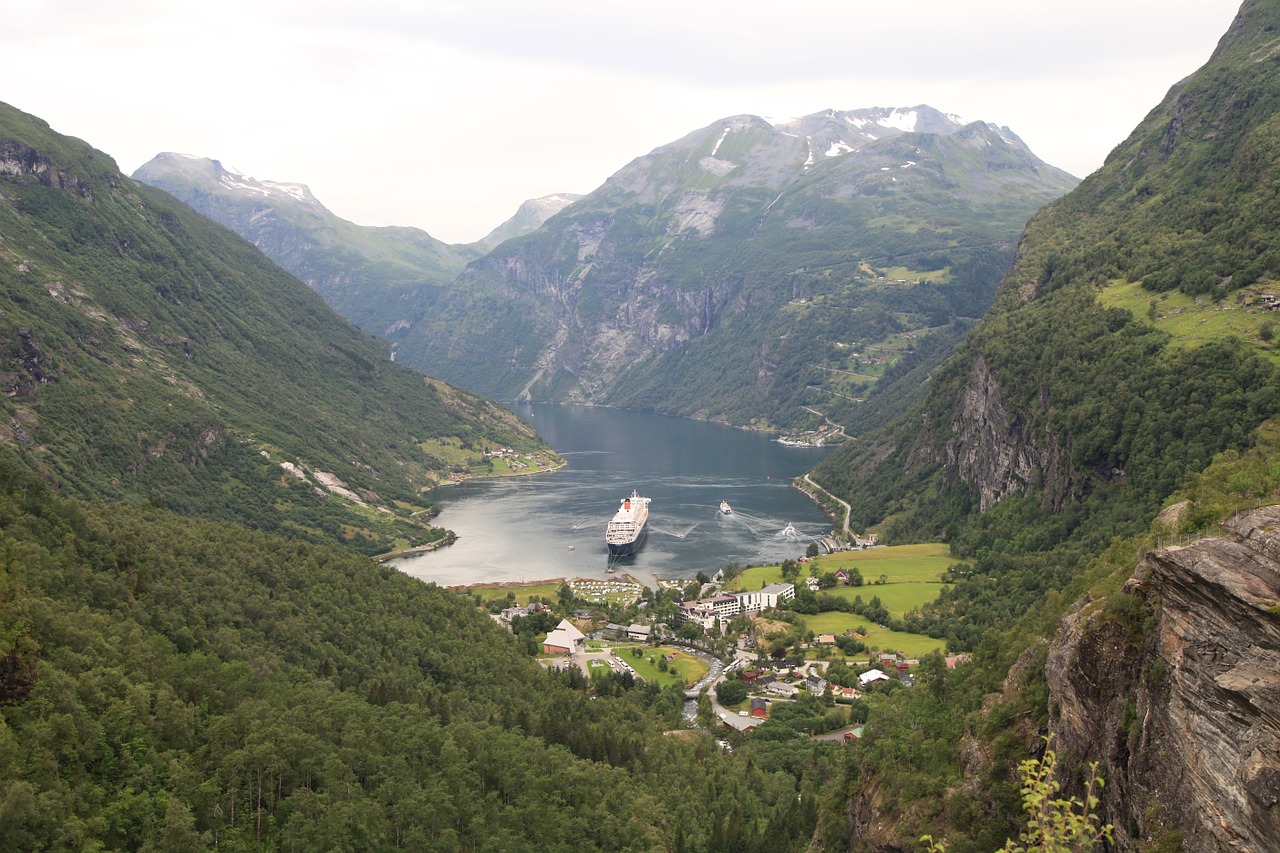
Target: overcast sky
[(447, 115)]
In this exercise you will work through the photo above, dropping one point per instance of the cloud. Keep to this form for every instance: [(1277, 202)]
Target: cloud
[(448, 115)]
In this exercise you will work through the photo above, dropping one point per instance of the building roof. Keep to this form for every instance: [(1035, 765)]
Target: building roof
[(565, 636), (872, 675), (779, 589), (638, 629), (570, 629)]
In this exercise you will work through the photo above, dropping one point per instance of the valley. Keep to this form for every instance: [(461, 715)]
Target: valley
[(1048, 411)]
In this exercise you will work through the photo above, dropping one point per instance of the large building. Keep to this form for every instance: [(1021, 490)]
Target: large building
[(707, 611), (564, 640)]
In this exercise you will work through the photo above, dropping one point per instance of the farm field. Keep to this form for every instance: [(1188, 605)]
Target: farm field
[(881, 639), (897, 598), (913, 577)]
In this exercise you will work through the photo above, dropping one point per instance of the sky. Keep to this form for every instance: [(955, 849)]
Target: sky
[(447, 115)]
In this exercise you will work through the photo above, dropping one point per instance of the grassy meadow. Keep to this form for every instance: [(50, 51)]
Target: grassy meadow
[(912, 577)]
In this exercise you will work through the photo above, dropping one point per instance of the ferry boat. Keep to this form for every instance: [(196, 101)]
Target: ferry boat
[(725, 508), (626, 531)]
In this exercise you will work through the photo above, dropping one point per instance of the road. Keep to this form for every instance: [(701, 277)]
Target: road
[(848, 510)]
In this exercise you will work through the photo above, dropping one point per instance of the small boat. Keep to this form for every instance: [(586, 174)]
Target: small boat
[(570, 547), (790, 530), (725, 508)]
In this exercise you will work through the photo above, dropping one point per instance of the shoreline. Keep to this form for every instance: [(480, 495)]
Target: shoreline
[(622, 577)]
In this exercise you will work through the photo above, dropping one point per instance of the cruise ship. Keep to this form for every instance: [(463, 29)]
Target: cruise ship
[(625, 533)]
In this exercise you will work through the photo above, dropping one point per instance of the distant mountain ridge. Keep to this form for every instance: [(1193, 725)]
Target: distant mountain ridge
[(148, 353), (529, 218), (375, 277), (714, 276), (383, 279)]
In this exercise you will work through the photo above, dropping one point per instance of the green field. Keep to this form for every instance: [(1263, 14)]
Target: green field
[(1196, 320), (881, 639), (684, 671), (913, 576), (899, 564), (897, 598)]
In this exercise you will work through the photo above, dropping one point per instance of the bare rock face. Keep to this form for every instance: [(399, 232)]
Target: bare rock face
[(995, 450), (1174, 685)]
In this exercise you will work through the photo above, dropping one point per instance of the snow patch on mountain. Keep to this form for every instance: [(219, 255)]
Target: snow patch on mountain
[(838, 148), (904, 120), (716, 147)]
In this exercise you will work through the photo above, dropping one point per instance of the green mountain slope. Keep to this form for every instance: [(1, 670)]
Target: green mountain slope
[(147, 352), (381, 279), (748, 272), (1124, 366), (186, 685), (1062, 394)]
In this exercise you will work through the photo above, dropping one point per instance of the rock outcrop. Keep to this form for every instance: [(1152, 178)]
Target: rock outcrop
[(1173, 685)]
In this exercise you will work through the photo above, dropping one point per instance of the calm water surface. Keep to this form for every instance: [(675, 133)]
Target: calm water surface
[(552, 525)]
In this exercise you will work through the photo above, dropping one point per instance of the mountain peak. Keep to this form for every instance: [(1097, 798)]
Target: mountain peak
[(213, 176)]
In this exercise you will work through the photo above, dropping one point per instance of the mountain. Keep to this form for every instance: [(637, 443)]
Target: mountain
[(381, 279), (1082, 450), (749, 270), (528, 218), (147, 353)]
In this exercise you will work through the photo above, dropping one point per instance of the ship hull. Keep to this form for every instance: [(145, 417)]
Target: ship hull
[(626, 549)]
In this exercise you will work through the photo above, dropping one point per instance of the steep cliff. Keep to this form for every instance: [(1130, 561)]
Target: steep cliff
[(1174, 685)]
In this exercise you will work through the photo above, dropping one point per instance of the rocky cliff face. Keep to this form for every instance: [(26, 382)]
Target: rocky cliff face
[(735, 259), (1174, 685)]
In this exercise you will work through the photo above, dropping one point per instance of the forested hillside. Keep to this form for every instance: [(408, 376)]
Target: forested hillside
[(182, 685), (147, 352), (1129, 361)]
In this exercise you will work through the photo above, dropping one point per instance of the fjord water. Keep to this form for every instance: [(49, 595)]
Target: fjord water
[(552, 525)]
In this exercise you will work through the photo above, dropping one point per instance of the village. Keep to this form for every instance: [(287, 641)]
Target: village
[(741, 643)]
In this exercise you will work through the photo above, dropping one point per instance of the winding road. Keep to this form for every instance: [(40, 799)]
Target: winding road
[(848, 510)]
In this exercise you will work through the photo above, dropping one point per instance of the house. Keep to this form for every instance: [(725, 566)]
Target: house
[(811, 583), (842, 576), (848, 693), (638, 633), (616, 631), (750, 675), (871, 676), (781, 688), (826, 640), (952, 660), (565, 639), (759, 707), (764, 681), (817, 685)]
